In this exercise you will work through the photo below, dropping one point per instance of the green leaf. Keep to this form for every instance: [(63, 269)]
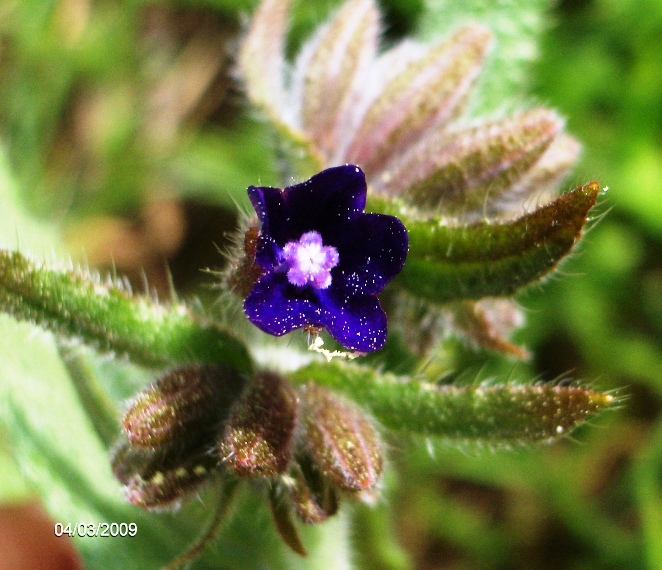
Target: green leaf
[(488, 259), (53, 441), (493, 414), (111, 319), (12, 487), (15, 226), (648, 493)]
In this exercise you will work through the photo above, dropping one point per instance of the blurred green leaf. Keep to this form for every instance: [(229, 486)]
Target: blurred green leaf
[(17, 229), (218, 166), (649, 497)]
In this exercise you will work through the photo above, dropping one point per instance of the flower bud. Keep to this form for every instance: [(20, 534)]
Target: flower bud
[(261, 59), (257, 439), (179, 404), (341, 440), (427, 94), (154, 479), (457, 171), (540, 185), (328, 69)]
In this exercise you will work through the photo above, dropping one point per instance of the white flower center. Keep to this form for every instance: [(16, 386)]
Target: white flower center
[(309, 261)]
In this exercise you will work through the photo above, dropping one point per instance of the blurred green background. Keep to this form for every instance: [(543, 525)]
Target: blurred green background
[(126, 143)]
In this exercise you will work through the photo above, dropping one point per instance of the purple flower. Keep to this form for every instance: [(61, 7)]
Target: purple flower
[(324, 260)]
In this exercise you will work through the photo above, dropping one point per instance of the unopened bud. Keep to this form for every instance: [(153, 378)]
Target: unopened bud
[(258, 436), (540, 185), (179, 404), (154, 479), (462, 171), (427, 94), (244, 271), (329, 67), (341, 440)]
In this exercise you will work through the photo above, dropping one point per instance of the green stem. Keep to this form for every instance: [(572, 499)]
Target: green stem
[(111, 319), (225, 498), (95, 400)]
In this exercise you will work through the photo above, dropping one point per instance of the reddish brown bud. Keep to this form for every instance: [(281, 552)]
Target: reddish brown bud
[(157, 478), (258, 436), (341, 440), (180, 404)]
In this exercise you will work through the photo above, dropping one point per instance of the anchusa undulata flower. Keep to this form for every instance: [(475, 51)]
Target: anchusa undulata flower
[(197, 424), (323, 259), (449, 221)]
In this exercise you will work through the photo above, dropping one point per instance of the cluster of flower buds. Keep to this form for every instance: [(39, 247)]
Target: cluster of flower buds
[(200, 422), (170, 428), (400, 115)]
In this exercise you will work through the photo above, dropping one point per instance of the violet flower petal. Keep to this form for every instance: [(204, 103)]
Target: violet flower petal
[(277, 307), (269, 206), (325, 203), (357, 322), (372, 251)]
